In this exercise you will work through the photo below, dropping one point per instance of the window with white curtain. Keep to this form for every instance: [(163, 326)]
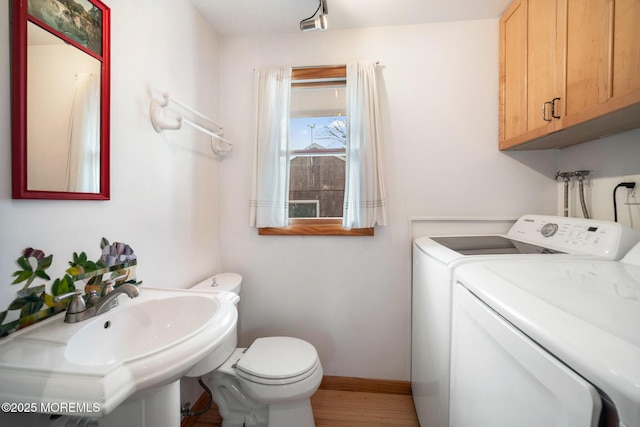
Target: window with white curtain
[(317, 154), (318, 140)]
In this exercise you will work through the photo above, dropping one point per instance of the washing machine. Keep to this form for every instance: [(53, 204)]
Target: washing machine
[(546, 342), (435, 260)]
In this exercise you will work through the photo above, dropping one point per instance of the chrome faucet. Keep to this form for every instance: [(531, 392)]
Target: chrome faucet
[(80, 309)]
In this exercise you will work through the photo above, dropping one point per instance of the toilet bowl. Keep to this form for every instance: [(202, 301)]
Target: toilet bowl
[(269, 383)]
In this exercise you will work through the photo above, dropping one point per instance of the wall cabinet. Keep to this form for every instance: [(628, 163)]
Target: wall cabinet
[(569, 71)]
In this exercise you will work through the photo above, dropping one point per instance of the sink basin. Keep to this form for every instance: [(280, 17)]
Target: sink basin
[(144, 343), (150, 327)]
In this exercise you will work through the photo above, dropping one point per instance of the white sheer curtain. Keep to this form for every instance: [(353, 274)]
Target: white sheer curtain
[(364, 199), (83, 159), (270, 185)]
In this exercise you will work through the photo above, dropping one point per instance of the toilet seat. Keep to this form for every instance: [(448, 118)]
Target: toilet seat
[(277, 360)]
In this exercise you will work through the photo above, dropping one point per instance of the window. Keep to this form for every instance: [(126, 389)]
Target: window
[(364, 194), (318, 140), (318, 153)]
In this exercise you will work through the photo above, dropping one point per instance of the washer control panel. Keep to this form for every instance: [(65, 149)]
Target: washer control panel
[(606, 239), (549, 229)]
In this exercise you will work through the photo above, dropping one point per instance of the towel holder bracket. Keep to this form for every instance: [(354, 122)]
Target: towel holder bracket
[(222, 145)]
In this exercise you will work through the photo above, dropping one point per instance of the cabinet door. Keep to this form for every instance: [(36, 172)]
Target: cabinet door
[(588, 56), (602, 64), (513, 62), (528, 78), (626, 53), (542, 65)]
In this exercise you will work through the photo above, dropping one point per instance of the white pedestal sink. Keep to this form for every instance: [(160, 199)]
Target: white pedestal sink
[(129, 358)]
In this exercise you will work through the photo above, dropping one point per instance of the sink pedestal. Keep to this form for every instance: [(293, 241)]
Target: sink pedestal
[(158, 408)]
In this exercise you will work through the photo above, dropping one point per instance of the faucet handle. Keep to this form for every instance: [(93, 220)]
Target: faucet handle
[(77, 304), (108, 287), (108, 284), (92, 298)]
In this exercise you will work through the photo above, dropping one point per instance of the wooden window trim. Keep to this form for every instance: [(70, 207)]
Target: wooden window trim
[(312, 73), (315, 227)]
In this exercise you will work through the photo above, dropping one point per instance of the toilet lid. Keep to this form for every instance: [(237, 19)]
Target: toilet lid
[(278, 358)]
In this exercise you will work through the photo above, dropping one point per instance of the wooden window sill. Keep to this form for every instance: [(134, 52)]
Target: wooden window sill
[(315, 227)]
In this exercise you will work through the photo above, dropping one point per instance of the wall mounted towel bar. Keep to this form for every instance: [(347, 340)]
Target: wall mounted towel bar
[(156, 112)]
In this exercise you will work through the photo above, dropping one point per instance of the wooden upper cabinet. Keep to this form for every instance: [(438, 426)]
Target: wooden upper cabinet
[(588, 55), (626, 55), (513, 63), (543, 74), (579, 71), (529, 78)]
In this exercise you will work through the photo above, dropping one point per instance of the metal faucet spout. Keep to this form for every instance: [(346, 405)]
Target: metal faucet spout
[(106, 303)]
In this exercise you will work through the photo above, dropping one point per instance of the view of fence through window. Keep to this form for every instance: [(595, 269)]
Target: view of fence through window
[(318, 151)]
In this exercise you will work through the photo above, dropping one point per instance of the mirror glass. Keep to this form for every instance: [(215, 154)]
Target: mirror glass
[(60, 104), (63, 93)]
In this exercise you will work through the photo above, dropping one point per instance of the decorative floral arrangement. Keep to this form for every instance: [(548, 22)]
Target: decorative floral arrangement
[(27, 273), (117, 253), (30, 300), (33, 303)]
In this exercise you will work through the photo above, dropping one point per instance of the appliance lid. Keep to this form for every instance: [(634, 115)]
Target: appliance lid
[(586, 313), (605, 295), (278, 357), (490, 245)]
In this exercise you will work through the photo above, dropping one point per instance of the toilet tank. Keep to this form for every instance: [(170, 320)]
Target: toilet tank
[(230, 282)]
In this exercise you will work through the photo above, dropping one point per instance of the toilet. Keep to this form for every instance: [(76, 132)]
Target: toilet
[(269, 383)]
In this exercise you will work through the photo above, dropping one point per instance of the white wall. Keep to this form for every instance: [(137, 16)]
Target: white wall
[(164, 188), (350, 296), (610, 161)]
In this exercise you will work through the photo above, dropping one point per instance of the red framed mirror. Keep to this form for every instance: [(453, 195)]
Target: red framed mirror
[(60, 99)]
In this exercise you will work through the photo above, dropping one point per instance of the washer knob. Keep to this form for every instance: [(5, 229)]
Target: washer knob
[(549, 229)]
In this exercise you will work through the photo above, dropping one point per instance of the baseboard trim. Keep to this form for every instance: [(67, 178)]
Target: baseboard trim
[(329, 382), (367, 385)]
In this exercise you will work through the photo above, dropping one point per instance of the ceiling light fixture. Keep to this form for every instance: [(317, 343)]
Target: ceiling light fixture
[(317, 21)]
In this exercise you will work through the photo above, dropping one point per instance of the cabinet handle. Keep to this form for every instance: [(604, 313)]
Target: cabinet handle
[(553, 108), (544, 111)]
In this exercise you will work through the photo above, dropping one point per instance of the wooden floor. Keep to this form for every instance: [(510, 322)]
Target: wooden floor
[(337, 408)]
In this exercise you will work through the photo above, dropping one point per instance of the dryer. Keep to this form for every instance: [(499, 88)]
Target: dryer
[(436, 258), (546, 342)]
